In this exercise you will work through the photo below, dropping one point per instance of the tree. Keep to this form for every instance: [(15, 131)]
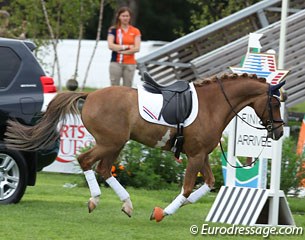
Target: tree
[(54, 41), (48, 21), (4, 21), (157, 20), (99, 28), (163, 20), (207, 12)]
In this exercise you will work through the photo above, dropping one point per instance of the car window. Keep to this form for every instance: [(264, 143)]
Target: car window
[(9, 65)]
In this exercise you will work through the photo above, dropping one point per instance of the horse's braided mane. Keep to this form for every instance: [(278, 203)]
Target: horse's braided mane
[(205, 81)]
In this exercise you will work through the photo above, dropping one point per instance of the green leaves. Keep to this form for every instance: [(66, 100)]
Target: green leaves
[(64, 16), (149, 168), (292, 170)]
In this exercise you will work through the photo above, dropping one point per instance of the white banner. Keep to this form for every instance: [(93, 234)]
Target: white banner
[(73, 137), (249, 141)]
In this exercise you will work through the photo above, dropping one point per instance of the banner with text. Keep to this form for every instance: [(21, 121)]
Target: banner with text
[(73, 137), (249, 141)]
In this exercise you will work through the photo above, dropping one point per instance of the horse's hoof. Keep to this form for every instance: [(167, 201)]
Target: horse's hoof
[(157, 214), (128, 212), (91, 206), (127, 207), (92, 203)]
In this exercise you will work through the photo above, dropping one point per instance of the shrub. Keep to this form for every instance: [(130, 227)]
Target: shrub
[(150, 168), (153, 168), (292, 170)]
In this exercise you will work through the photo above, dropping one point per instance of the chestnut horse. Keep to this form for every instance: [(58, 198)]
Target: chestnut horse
[(111, 115)]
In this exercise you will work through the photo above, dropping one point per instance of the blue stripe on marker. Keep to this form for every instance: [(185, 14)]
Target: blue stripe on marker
[(253, 64), (255, 68), (252, 71)]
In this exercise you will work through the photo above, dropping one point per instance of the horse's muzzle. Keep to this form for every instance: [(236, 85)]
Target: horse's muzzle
[(276, 134)]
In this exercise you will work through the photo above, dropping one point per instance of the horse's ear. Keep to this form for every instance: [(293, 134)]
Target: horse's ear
[(275, 89)]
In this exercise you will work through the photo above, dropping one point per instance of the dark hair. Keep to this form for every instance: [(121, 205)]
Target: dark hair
[(119, 12)]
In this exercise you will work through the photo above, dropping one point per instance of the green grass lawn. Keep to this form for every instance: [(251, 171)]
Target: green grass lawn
[(51, 211)]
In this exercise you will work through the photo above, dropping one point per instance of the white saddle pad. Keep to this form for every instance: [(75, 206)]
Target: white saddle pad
[(150, 105)]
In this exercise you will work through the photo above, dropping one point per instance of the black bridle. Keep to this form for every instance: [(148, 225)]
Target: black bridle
[(271, 120), (268, 125)]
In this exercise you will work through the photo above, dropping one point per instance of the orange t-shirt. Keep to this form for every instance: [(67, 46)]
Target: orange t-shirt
[(124, 38)]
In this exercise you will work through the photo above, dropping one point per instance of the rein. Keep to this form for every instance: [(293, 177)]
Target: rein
[(269, 126)]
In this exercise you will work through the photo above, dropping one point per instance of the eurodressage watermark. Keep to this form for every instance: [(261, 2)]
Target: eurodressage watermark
[(235, 230)]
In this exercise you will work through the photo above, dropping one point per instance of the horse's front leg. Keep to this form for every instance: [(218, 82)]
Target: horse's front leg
[(207, 186), (194, 166)]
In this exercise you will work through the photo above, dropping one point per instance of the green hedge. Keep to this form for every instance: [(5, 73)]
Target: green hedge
[(151, 168)]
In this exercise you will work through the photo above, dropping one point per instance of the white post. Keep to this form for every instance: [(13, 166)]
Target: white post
[(277, 145), (283, 34), (231, 172), (262, 173), (275, 179)]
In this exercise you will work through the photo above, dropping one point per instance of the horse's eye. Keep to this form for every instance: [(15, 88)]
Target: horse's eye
[(276, 102)]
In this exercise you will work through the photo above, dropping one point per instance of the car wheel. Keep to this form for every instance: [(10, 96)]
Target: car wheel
[(13, 176)]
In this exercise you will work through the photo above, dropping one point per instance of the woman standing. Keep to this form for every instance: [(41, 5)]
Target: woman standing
[(124, 40)]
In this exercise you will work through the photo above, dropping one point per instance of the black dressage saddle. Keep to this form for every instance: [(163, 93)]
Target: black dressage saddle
[(177, 99), (176, 108)]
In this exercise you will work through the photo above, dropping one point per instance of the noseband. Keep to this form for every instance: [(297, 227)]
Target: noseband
[(269, 123), (271, 120)]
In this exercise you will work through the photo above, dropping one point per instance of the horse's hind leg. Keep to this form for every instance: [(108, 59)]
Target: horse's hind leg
[(86, 160), (104, 169)]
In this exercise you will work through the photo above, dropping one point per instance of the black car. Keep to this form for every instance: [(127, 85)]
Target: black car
[(25, 91)]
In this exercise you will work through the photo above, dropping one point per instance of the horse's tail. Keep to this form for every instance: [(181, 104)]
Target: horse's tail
[(45, 132)]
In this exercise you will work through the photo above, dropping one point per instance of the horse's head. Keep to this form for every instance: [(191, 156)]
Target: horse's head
[(269, 112)]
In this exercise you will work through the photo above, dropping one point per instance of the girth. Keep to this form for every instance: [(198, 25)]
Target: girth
[(176, 108)]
